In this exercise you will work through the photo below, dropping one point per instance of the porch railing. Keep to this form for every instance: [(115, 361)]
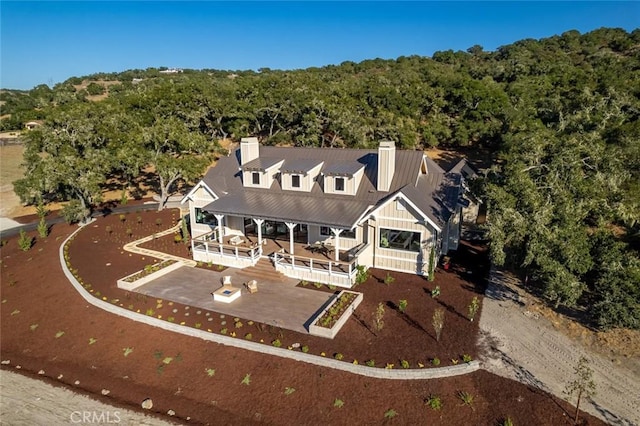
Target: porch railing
[(209, 250), (341, 274)]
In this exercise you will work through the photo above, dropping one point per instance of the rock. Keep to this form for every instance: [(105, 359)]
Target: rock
[(77, 382), (105, 392), (295, 345), (171, 413), (5, 362), (60, 377), (147, 404), (41, 372)]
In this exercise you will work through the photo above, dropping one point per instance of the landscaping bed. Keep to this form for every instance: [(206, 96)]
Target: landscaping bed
[(46, 326)]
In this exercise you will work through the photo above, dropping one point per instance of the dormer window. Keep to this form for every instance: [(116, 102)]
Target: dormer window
[(295, 181), (255, 178), (339, 181)]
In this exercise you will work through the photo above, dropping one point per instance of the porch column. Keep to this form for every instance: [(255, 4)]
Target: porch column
[(336, 233), (290, 225), (259, 223), (219, 217)]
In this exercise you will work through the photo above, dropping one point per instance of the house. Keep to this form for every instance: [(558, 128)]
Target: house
[(386, 208), (30, 125)]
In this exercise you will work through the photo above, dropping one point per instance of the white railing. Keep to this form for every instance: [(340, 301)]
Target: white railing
[(237, 256), (341, 274)]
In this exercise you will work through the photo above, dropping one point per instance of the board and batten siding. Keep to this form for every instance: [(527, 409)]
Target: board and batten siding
[(199, 199), (345, 243), (401, 216)]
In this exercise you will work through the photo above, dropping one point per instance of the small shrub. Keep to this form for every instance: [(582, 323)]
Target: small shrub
[(378, 317), (466, 358), (362, 275), (177, 238), (43, 228), (129, 232), (402, 305), (338, 356), (438, 322), (435, 362), (466, 398), (92, 340), (317, 285), (507, 421), (123, 218), (277, 343), (434, 402), (198, 325), (158, 222), (127, 351), (210, 371), (370, 363), (473, 308), (171, 319), (304, 283), (139, 219), (389, 366), (248, 336), (338, 403), (404, 363), (390, 413), (454, 361), (223, 331), (238, 324), (108, 230), (59, 334), (24, 242), (305, 349), (289, 391), (331, 287), (435, 292), (247, 379), (388, 279)]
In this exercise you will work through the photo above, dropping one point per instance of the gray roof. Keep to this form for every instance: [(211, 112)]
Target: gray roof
[(430, 192), (342, 168), (261, 163), (299, 165)]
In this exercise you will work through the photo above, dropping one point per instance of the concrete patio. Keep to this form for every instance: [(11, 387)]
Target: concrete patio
[(277, 303)]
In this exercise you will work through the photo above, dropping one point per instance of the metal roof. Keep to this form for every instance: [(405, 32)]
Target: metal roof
[(343, 168), (300, 165), (430, 192), (261, 164)]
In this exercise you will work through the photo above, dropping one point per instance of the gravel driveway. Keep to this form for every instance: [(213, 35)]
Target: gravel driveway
[(520, 345)]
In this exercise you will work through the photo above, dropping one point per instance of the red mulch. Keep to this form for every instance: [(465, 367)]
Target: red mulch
[(38, 303)]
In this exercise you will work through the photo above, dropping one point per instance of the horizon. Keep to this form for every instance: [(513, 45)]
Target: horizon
[(48, 42)]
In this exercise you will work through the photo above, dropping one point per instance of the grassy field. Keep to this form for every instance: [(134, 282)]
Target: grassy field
[(10, 170)]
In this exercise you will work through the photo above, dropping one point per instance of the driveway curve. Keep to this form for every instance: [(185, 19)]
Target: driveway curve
[(518, 344)]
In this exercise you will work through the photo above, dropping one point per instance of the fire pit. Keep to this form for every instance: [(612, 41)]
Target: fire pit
[(226, 294)]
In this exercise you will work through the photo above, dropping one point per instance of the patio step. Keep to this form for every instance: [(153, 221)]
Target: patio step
[(264, 270)]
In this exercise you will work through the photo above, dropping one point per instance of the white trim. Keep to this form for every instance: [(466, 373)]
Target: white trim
[(195, 188), (415, 221), (404, 197)]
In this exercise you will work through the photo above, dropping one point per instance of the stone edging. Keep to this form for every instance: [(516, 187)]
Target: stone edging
[(381, 373), (133, 248)]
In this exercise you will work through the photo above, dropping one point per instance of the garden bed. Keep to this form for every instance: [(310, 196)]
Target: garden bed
[(331, 319), (148, 274)]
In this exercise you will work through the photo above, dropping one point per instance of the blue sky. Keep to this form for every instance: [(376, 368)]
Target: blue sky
[(48, 41)]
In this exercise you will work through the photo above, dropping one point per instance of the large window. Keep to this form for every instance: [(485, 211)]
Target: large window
[(205, 217), (295, 181), (399, 240), (339, 184), (325, 231), (255, 177)]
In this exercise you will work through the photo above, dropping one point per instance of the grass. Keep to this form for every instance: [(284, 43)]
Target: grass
[(289, 391), (127, 351), (210, 372)]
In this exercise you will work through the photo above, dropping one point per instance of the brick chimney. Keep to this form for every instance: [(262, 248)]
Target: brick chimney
[(386, 164), (249, 150)]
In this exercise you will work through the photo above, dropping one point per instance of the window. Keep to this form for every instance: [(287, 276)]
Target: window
[(295, 181), (255, 176), (399, 240), (325, 231), (339, 184), (205, 217)]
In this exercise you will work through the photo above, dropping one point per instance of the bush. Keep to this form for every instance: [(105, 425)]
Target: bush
[(434, 402), (305, 349), (404, 363), (338, 356), (389, 279), (43, 228), (370, 363), (25, 242), (95, 89), (277, 343), (73, 212), (402, 305), (435, 362)]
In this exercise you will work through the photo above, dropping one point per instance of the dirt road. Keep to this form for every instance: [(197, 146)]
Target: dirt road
[(524, 346), (26, 401)]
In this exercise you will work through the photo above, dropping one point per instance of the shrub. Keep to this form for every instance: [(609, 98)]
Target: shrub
[(390, 413), (370, 363), (435, 362), (402, 305), (129, 232), (434, 402), (277, 343), (362, 275), (246, 380), (43, 228), (305, 349), (378, 317), (223, 331), (473, 308), (435, 292), (466, 398), (24, 242), (466, 358), (432, 263), (123, 218), (338, 356), (248, 336), (177, 238), (404, 363), (438, 322), (73, 212), (507, 421), (338, 403), (388, 279)]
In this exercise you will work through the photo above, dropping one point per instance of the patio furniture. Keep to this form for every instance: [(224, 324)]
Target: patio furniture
[(226, 280), (236, 240), (252, 286)]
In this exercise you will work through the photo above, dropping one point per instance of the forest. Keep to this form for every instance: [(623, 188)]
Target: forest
[(559, 117)]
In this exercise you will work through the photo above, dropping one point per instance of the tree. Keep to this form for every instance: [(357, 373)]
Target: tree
[(175, 153), (582, 384)]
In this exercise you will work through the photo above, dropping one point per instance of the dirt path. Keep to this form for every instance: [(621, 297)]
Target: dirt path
[(521, 345), (26, 401)]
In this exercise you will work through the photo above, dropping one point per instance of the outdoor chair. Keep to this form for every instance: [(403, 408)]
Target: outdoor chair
[(252, 286), (226, 280)]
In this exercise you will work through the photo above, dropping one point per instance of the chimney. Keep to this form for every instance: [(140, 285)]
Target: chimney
[(386, 164), (249, 150)]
